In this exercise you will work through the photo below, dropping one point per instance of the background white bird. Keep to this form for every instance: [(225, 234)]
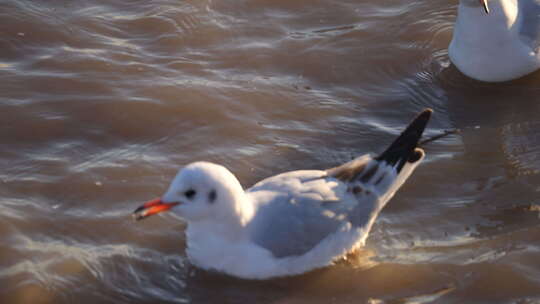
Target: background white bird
[(496, 40), (289, 223)]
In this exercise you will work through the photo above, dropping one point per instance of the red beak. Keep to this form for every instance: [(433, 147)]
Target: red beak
[(152, 207)]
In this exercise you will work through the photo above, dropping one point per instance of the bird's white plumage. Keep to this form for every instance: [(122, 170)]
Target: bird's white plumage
[(286, 224), (290, 223), (499, 46)]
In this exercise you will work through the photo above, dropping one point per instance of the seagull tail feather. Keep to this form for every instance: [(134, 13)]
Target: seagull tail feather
[(404, 148)]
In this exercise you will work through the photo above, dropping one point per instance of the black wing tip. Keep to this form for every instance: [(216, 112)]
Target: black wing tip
[(419, 123), (425, 114), (403, 149)]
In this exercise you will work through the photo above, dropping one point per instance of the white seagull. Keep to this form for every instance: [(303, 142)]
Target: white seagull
[(290, 223), (496, 40)]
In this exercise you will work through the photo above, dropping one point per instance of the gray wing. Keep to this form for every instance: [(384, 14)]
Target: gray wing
[(297, 210), (292, 226), (529, 22), (303, 207)]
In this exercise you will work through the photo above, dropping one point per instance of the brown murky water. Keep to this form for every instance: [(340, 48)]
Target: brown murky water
[(102, 101)]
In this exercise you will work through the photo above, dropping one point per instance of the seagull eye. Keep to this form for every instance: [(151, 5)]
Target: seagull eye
[(190, 193)]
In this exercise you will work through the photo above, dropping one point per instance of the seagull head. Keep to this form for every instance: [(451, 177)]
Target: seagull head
[(476, 3), (200, 190)]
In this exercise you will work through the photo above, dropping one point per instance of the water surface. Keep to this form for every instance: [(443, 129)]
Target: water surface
[(102, 101)]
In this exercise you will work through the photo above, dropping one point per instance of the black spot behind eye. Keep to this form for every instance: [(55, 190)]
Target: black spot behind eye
[(190, 193), (212, 196)]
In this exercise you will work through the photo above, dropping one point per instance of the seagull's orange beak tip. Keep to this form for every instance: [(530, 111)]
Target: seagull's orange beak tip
[(137, 216), (152, 207)]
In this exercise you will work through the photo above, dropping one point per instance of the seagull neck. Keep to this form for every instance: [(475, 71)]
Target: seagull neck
[(234, 214), (240, 209), (227, 229)]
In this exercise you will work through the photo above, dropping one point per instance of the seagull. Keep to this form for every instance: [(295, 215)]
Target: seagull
[(496, 40), (290, 223)]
